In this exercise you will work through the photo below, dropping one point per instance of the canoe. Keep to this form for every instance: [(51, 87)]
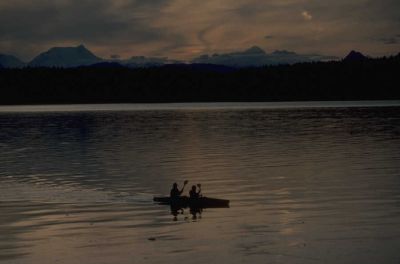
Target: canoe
[(184, 201)]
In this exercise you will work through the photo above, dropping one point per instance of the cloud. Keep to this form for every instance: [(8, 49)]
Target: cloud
[(95, 23), (184, 29), (307, 16), (389, 41)]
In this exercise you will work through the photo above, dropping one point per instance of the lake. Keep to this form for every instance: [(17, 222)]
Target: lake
[(308, 182)]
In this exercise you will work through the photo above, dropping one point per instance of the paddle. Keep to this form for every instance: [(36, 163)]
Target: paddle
[(199, 185), (184, 184)]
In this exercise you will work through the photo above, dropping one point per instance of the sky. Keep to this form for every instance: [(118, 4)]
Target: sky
[(184, 29)]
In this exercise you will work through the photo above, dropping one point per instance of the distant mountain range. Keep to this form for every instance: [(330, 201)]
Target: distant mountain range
[(69, 57), (255, 57), (355, 55), (9, 61), (65, 57)]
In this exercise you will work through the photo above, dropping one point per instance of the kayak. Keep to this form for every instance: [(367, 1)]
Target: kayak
[(184, 201)]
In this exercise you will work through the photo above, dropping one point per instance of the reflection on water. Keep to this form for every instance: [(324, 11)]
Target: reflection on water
[(195, 212), (306, 184)]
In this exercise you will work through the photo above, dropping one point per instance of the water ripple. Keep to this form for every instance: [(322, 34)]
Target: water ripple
[(306, 184)]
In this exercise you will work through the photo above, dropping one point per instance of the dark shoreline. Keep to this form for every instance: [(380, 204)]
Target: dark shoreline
[(368, 79), (211, 105)]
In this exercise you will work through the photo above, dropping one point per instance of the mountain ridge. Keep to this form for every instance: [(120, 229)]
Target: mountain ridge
[(355, 56), (257, 57), (10, 61), (65, 57), (70, 57)]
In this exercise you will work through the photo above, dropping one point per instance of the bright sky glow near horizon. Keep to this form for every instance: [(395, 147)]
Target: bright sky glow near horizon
[(184, 29)]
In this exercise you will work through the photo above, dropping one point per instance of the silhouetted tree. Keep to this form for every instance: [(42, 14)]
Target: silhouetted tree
[(341, 80)]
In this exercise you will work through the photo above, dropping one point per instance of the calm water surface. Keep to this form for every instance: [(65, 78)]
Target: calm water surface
[(308, 183)]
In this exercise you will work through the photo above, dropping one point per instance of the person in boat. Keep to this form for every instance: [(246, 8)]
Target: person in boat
[(175, 192), (194, 193)]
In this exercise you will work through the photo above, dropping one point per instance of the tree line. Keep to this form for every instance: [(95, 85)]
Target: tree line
[(368, 79)]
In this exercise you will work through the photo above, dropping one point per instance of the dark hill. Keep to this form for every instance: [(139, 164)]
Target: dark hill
[(355, 56), (9, 61), (65, 57)]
